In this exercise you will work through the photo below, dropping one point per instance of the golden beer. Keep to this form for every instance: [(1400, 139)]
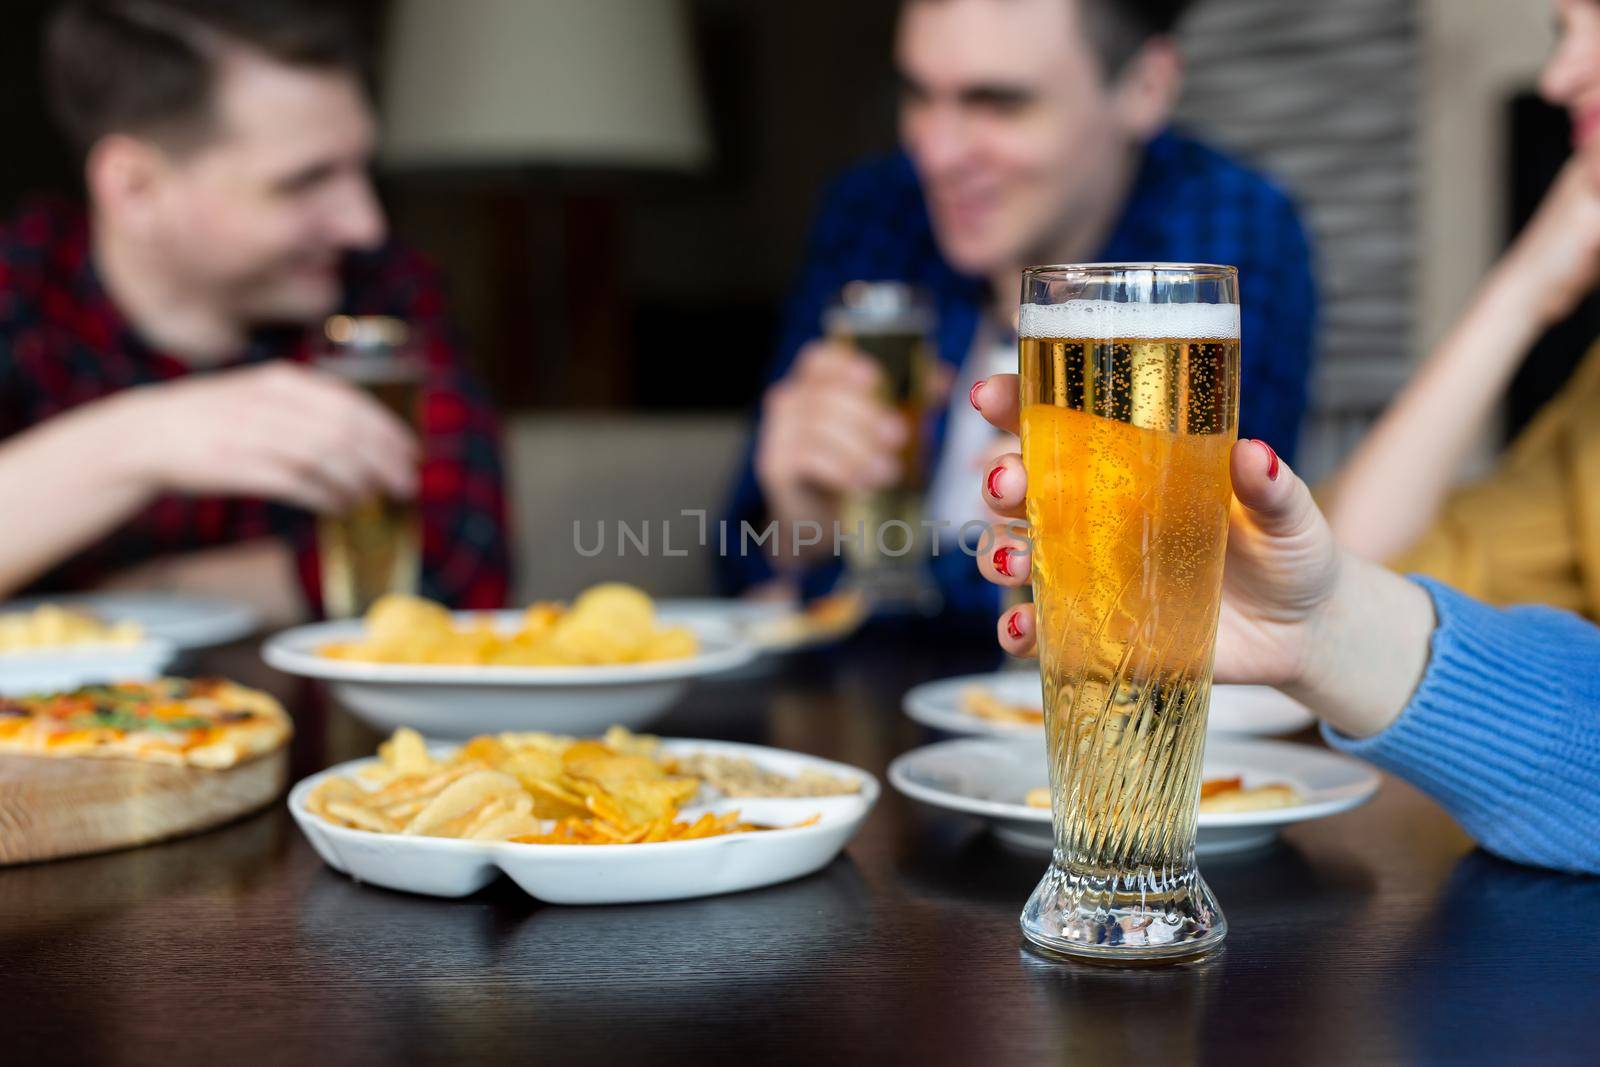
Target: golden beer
[(890, 323), (375, 547), (1129, 413)]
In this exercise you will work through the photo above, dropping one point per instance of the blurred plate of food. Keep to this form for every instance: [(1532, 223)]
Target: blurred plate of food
[(1250, 788), (606, 658), (620, 819), (1011, 704), (815, 624), (1001, 704), (50, 646), (741, 615), (186, 622)]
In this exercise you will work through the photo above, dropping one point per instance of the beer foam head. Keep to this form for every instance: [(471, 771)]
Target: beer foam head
[(1113, 320)]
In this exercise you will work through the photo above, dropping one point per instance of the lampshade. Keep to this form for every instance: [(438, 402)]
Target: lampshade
[(606, 83)]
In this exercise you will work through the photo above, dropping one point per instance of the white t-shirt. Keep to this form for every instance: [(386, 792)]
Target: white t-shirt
[(955, 495)]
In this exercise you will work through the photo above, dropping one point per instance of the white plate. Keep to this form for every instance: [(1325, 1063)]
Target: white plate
[(610, 874), (461, 701), (54, 670), (187, 622), (942, 704), (989, 778), (1256, 710), (773, 626), (1235, 709), (740, 615)]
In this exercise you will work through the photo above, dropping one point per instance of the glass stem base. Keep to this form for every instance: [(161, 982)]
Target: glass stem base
[(1133, 916)]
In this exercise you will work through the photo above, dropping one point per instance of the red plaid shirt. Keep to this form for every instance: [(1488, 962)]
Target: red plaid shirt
[(63, 343)]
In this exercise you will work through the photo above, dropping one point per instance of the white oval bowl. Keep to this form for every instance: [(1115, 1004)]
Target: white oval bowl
[(610, 874), (461, 701)]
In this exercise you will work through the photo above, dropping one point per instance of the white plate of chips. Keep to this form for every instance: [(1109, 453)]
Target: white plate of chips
[(50, 647), (1010, 704), (991, 778), (444, 700), (181, 621), (612, 874)]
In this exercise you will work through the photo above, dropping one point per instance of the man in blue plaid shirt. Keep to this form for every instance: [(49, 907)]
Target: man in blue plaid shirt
[(1034, 131)]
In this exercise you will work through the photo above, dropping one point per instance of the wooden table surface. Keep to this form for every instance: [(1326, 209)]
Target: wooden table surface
[(1376, 936)]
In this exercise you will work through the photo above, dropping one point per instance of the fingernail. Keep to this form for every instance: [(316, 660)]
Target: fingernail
[(972, 396), (1014, 625), (993, 481), (1272, 460), (1002, 561)]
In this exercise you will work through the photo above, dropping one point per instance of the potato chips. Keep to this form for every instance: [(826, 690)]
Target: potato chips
[(608, 624), (533, 788)]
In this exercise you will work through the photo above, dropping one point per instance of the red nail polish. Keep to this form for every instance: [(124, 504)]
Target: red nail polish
[(993, 481), (972, 397), (1002, 561), (1272, 460), (1013, 627)]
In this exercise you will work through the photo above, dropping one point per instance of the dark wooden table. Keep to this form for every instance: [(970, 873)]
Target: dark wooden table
[(1375, 936)]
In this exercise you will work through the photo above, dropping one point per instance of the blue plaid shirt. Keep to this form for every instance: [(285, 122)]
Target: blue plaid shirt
[(1189, 203)]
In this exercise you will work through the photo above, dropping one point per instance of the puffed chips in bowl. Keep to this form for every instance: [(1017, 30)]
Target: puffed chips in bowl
[(605, 659)]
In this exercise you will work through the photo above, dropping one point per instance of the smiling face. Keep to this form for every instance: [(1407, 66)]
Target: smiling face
[(1016, 134), (1571, 78), (259, 215)]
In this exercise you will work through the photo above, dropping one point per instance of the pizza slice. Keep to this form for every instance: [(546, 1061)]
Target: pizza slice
[(202, 722)]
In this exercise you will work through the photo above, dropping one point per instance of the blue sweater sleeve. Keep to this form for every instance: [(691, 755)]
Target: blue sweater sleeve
[(1504, 730)]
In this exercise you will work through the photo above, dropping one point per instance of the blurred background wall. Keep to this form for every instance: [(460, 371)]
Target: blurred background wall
[(1324, 97), (622, 306)]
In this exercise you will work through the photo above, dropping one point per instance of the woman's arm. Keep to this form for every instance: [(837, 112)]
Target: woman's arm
[(1494, 713), (1390, 490), (1503, 730)]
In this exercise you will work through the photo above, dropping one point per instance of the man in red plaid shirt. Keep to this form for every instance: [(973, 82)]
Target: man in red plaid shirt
[(158, 426)]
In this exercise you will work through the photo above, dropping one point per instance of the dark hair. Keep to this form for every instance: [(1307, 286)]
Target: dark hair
[(147, 66), (1117, 29)]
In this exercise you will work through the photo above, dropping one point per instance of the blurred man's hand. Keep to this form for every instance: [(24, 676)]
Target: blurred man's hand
[(825, 433), (279, 431)]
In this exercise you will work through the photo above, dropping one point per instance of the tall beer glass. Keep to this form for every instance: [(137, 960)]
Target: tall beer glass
[(892, 324), (375, 547), (1130, 395)]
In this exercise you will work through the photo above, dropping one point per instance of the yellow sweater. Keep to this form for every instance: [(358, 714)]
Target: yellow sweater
[(1530, 531)]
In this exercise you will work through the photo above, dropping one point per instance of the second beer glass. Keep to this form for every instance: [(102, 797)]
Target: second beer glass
[(886, 548), (375, 547)]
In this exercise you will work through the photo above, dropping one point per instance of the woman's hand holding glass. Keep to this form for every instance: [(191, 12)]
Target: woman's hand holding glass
[(1346, 637)]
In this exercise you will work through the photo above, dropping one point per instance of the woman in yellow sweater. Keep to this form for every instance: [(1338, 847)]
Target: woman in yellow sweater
[(1530, 531)]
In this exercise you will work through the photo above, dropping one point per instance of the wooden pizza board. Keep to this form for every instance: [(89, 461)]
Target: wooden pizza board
[(50, 808)]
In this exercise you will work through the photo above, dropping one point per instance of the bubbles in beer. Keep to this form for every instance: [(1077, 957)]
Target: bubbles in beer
[(1128, 416)]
